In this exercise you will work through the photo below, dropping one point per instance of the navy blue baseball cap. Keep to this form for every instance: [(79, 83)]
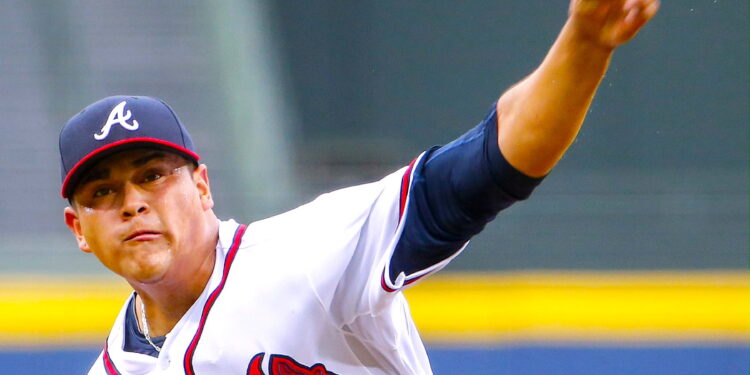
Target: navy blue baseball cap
[(115, 124)]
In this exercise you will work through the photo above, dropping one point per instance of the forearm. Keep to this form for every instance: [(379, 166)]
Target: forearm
[(540, 117)]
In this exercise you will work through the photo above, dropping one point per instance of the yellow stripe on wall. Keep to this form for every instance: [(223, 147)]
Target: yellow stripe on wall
[(602, 307), (618, 307), (44, 311)]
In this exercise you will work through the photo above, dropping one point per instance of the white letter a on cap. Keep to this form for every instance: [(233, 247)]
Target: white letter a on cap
[(116, 117)]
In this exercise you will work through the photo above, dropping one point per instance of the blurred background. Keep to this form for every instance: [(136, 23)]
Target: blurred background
[(631, 258)]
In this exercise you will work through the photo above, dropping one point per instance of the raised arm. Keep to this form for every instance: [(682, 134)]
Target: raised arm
[(453, 191), (539, 117)]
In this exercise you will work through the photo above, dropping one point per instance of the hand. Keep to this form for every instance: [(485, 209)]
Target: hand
[(610, 23)]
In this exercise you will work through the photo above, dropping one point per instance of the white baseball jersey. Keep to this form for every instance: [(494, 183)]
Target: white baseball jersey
[(299, 293), (317, 290)]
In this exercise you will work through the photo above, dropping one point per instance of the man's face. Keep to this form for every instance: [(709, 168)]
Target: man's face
[(138, 211)]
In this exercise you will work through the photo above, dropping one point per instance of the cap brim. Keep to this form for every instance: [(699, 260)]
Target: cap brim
[(75, 173)]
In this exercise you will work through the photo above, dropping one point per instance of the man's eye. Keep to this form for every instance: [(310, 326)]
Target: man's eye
[(152, 177), (102, 192)]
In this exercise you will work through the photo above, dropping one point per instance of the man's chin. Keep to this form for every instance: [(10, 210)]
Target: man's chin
[(149, 272), (148, 263), (145, 277)]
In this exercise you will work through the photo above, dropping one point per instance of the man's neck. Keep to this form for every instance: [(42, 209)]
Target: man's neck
[(167, 300)]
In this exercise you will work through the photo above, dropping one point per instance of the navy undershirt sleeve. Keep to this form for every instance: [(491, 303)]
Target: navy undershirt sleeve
[(455, 191)]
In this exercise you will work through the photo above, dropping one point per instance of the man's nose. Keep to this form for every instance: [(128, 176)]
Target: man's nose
[(134, 202)]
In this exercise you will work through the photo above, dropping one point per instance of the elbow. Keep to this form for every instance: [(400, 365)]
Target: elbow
[(531, 144)]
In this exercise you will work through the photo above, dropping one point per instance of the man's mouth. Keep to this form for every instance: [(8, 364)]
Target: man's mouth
[(142, 235)]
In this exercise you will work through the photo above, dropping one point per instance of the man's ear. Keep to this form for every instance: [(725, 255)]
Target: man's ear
[(71, 220), (200, 176)]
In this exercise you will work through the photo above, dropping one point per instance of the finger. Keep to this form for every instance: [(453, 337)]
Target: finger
[(637, 16), (629, 4), (642, 13), (651, 9), (632, 14), (647, 8)]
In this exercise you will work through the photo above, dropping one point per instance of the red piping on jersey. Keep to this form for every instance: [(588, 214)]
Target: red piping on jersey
[(97, 151), (109, 366), (188, 361), (384, 285), (407, 282), (405, 185)]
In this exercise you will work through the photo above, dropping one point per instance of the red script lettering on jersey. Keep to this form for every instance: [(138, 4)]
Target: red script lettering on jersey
[(284, 365)]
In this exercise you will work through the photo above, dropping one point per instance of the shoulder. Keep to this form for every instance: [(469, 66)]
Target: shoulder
[(328, 211)]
